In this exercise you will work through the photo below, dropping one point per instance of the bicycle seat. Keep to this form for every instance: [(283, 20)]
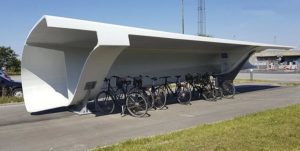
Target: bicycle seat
[(177, 76)]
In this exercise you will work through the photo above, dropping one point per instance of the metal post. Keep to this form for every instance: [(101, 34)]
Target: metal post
[(251, 74), (182, 17)]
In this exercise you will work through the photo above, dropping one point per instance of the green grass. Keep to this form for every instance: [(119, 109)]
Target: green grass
[(12, 73), (277, 129), (5, 100)]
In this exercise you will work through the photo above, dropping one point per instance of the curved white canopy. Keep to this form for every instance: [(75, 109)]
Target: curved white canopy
[(61, 55)]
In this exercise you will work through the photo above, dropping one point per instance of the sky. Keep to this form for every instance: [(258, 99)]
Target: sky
[(266, 21)]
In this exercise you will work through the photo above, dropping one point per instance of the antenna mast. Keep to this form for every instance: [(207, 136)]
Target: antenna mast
[(201, 18), (182, 16)]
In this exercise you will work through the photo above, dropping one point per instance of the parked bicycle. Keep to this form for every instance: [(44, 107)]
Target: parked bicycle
[(181, 91), (159, 95), (228, 89), (204, 85), (156, 98), (138, 99), (137, 83), (106, 100)]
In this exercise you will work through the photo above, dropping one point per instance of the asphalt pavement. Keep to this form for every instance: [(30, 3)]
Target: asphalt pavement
[(280, 77), (62, 130)]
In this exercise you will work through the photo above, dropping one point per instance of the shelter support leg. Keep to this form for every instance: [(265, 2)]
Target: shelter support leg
[(82, 108)]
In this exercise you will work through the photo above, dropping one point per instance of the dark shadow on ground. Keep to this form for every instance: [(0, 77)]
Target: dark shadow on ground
[(239, 89), (23, 116), (171, 100), (251, 88), (56, 110)]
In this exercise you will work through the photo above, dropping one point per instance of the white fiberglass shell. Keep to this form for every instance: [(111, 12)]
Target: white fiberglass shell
[(61, 55)]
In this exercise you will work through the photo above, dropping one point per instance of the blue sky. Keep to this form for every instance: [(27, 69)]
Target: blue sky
[(250, 20)]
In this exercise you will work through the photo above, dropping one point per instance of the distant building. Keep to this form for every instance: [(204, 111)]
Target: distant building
[(277, 60)]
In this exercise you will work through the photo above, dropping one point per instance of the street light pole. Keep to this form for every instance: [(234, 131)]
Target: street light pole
[(182, 17)]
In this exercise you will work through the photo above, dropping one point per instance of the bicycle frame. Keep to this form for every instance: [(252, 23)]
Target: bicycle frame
[(166, 85)]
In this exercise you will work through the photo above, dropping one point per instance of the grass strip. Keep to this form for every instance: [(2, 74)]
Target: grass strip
[(276, 129), (5, 100)]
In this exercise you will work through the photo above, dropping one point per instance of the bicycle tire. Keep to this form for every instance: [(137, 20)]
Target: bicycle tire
[(149, 98), (228, 90), (208, 94), (104, 103), (184, 95), (218, 93), (136, 104), (196, 93), (159, 98)]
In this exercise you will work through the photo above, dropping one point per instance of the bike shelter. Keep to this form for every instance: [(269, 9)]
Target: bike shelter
[(65, 60)]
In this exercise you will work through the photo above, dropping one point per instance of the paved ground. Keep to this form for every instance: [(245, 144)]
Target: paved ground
[(284, 77), (63, 130)]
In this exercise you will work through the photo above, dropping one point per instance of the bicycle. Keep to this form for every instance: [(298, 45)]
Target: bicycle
[(105, 100), (135, 103), (201, 84), (181, 92), (159, 96), (218, 91), (137, 83), (208, 90), (228, 89)]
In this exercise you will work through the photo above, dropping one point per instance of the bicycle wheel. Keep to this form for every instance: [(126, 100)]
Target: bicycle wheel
[(160, 98), (120, 96), (136, 104), (218, 93), (104, 103), (149, 98), (196, 93), (208, 94), (184, 95), (228, 90)]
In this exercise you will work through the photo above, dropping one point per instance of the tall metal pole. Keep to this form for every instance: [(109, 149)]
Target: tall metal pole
[(182, 16), (201, 18)]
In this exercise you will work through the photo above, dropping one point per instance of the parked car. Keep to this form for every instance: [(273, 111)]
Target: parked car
[(9, 87)]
